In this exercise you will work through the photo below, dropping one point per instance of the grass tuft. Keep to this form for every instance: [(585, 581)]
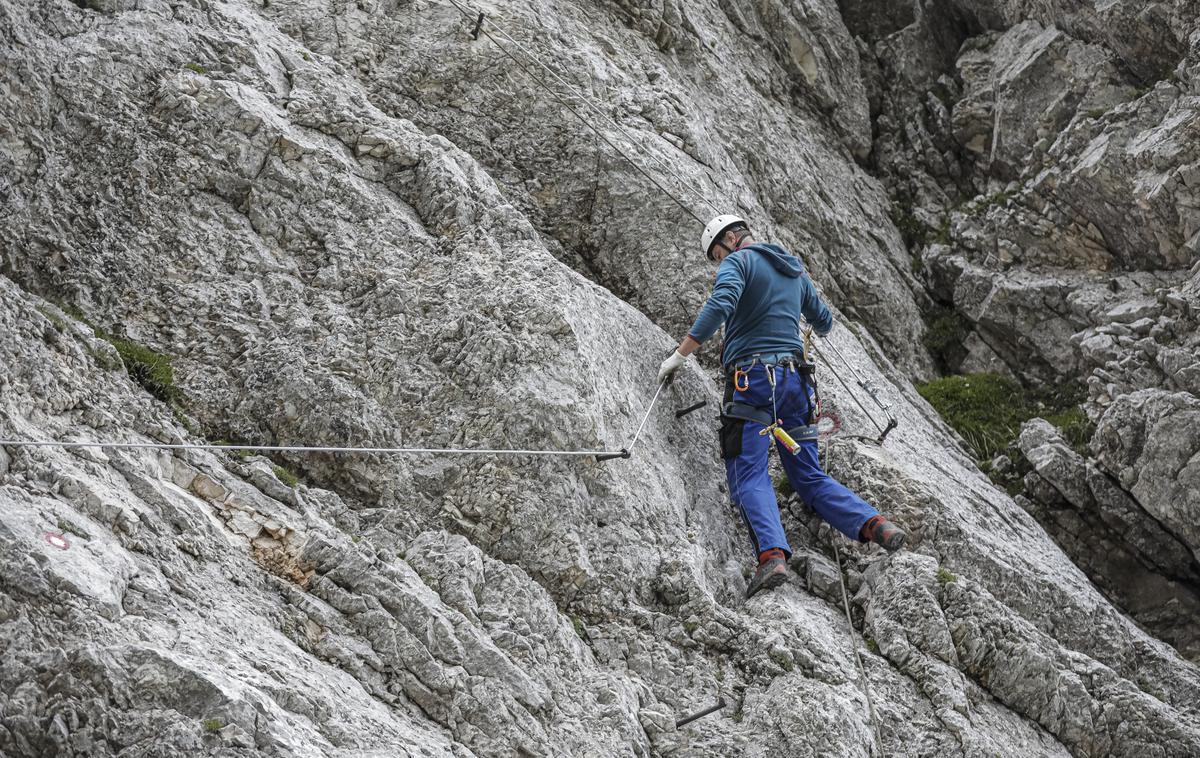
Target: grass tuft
[(1075, 427), (66, 527), (987, 410), (944, 576), (580, 629), (54, 318), (286, 476), (912, 231), (151, 370), (783, 660), (213, 725), (943, 237)]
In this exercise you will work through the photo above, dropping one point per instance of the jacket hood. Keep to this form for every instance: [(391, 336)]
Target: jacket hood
[(783, 261)]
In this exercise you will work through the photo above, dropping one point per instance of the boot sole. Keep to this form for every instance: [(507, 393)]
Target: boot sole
[(770, 583), (894, 543)]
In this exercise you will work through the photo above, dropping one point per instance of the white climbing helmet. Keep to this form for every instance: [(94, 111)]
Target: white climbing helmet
[(714, 229)]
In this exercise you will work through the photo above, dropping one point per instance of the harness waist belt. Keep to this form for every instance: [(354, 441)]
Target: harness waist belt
[(743, 412), (747, 413), (769, 359), (808, 433), (775, 359)]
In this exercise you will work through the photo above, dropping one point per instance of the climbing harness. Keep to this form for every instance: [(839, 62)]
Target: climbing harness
[(789, 439), (599, 455), (744, 412)]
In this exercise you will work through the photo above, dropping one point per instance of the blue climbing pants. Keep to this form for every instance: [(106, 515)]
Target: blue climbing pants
[(745, 453)]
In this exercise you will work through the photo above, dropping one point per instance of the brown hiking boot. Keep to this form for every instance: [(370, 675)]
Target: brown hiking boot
[(883, 532), (772, 572)]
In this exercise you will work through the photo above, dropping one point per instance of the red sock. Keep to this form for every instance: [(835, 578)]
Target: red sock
[(767, 555), (868, 529)]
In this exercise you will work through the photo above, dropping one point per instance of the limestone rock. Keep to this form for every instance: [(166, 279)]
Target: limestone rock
[(1149, 441), (1025, 85), (1123, 546), (340, 240)]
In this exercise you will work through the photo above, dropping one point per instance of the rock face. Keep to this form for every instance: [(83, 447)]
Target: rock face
[(654, 77), (1023, 86), (1149, 439), (1140, 549), (1042, 160), (345, 228)]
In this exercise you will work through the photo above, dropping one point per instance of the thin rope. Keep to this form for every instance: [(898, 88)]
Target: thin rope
[(625, 453), (862, 671), (303, 448), (646, 417), (562, 101), (845, 386), (578, 94)]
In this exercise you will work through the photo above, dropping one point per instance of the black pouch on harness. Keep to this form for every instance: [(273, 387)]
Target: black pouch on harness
[(731, 436), (731, 428)]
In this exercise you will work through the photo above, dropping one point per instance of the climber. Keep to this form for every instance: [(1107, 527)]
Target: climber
[(761, 291)]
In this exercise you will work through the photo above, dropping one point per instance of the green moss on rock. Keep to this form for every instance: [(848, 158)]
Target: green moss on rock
[(987, 410), (286, 476), (153, 371)]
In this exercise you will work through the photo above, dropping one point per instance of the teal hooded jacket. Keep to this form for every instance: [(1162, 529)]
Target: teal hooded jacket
[(760, 293)]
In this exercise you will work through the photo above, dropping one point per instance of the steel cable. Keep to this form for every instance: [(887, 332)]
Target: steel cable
[(623, 453), (562, 101), (578, 95)]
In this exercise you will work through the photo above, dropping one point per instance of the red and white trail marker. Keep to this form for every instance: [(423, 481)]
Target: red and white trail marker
[(828, 424), (54, 539)]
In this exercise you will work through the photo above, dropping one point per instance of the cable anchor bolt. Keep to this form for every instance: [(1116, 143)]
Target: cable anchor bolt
[(610, 456), (689, 719)]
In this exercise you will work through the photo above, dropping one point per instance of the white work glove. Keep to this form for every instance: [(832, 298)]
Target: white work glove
[(670, 365)]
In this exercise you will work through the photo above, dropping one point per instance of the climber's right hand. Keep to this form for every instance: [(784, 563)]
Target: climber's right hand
[(670, 366)]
